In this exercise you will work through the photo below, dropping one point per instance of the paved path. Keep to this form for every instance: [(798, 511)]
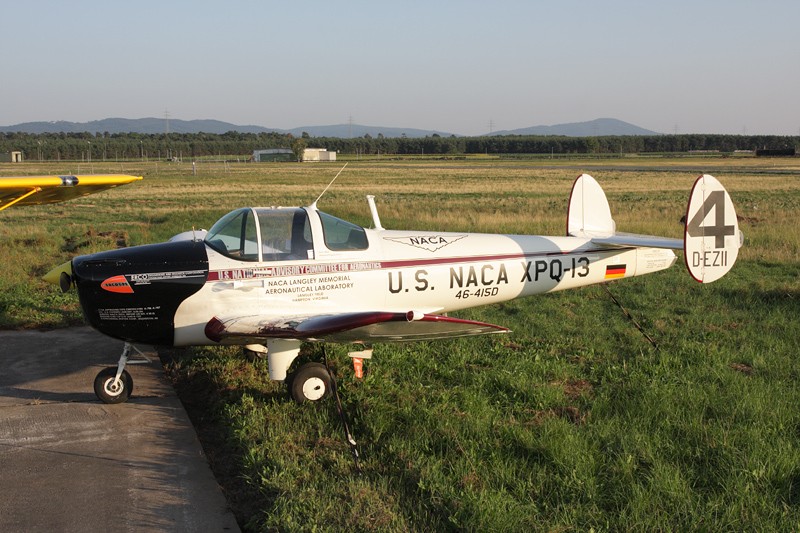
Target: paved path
[(71, 463)]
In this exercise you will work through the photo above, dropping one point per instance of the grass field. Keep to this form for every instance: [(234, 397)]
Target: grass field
[(573, 422)]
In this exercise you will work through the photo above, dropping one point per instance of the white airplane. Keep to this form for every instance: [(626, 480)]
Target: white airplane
[(273, 278)]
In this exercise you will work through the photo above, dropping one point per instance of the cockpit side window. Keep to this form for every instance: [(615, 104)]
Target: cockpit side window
[(235, 235), (285, 234), (341, 235)]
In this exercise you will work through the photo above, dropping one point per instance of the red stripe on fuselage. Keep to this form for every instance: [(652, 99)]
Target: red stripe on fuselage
[(321, 268)]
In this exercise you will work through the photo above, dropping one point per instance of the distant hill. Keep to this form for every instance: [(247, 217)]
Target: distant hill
[(593, 128), (346, 131), (148, 125), (153, 125)]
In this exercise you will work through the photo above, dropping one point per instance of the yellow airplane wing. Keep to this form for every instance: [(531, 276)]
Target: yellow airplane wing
[(34, 190)]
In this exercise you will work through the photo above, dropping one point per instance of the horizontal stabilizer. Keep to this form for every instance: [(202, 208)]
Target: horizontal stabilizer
[(639, 241), (590, 216), (371, 326)]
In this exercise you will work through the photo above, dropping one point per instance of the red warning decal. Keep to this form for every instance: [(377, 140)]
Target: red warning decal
[(117, 284)]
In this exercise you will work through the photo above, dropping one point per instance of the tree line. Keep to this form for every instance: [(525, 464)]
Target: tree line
[(121, 146)]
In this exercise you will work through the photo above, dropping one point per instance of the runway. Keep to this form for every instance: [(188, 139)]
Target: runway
[(71, 463)]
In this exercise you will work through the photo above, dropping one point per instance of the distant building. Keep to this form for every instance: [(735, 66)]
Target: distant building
[(11, 157), (318, 154), (776, 152), (273, 154)]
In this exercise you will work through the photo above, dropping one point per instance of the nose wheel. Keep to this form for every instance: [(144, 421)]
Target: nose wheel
[(112, 389), (115, 384)]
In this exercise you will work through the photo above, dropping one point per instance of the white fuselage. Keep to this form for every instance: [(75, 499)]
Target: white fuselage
[(402, 271)]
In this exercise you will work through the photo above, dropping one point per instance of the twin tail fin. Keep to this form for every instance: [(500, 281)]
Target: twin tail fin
[(711, 238)]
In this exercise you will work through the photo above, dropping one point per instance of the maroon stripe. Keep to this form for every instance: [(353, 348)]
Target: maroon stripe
[(405, 263), (470, 259)]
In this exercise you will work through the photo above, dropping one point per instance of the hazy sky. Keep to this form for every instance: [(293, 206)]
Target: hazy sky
[(680, 66)]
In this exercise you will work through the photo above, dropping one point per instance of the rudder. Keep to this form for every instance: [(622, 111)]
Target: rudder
[(588, 214), (710, 246)]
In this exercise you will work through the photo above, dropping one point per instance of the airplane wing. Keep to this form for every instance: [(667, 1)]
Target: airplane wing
[(35, 190), (367, 327)]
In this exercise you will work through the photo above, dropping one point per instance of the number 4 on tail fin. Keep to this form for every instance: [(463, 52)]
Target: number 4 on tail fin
[(712, 238)]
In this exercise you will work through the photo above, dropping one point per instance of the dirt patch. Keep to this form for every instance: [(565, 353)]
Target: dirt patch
[(513, 346), (749, 220), (570, 413), (118, 239), (744, 368), (574, 388)]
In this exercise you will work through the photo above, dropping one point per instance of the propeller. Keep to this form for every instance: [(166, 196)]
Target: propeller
[(61, 276)]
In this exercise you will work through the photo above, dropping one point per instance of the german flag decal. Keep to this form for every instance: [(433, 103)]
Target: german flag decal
[(615, 271), (117, 284)]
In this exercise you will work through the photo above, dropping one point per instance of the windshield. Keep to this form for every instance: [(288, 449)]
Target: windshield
[(263, 234), (235, 235)]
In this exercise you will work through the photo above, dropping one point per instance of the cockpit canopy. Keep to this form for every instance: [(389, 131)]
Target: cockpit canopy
[(280, 234)]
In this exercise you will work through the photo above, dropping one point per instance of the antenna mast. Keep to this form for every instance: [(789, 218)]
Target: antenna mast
[(314, 205)]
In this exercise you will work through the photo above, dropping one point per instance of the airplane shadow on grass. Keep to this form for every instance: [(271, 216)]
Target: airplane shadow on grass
[(781, 299)]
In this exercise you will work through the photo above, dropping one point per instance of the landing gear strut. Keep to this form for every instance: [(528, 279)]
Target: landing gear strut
[(115, 384)]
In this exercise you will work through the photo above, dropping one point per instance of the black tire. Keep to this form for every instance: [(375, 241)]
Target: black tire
[(104, 386), (310, 383)]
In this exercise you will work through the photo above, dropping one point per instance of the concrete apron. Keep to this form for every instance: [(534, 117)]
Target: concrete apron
[(71, 463)]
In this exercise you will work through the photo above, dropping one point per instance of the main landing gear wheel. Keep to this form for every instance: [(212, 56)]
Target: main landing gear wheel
[(311, 383), (112, 390)]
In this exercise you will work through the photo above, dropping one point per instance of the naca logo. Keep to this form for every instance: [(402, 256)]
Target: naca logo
[(427, 242)]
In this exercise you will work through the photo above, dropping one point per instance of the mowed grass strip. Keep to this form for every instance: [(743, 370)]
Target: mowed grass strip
[(574, 421)]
